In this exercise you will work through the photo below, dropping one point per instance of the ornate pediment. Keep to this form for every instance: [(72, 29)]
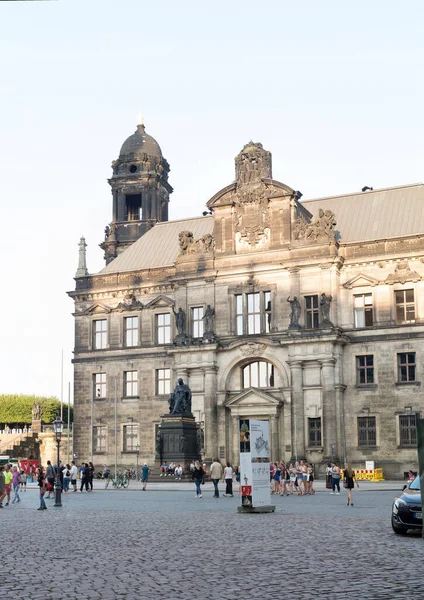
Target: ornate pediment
[(97, 309), (130, 303), (402, 274), (253, 397), (160, 300), (253, 163), (361, 280)]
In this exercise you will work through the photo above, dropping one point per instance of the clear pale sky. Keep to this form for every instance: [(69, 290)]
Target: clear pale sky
[(333, 89)]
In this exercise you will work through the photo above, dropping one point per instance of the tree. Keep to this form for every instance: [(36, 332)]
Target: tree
[(16, 409)]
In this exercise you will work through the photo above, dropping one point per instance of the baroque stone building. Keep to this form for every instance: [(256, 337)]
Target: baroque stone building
[(310, 315)]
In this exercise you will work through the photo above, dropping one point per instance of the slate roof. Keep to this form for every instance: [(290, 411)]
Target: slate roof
[(159, 247), (380, 214)]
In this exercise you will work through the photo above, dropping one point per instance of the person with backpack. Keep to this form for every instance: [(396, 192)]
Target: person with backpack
[(49, 479), (66, 472)]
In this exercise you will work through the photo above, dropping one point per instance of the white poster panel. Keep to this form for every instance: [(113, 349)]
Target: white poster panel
[(260, 459)]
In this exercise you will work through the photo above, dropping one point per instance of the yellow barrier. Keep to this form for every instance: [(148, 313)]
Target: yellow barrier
[(369, 475)]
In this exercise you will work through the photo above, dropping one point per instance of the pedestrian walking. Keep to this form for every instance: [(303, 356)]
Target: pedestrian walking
[(85, 475), (7, 483), (42, 485), (23, 480), (90, 476), (216, 474), (66, 478), (2, 486), (144, 476), (198, 475), (335, 478), (228, 477), (349, 482), (15, 484), (74, 475), (49, 477)]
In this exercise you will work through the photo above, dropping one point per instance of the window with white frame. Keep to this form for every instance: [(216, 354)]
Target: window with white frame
[(406, 367), (405, 306), (363, 310), (253, 313), (408, 430), (163, 381), (130, 437), (131, 331), (99, 439), (197, 321), (311, 312), (258, 374), (100, 334), (130, 384), (163, 328), (99, 382)]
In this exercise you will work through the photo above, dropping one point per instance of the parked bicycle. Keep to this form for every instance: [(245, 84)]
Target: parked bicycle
[(120, 481)]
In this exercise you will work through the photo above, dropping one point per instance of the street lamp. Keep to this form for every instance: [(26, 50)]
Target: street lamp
[(137, 449), (58, 430)]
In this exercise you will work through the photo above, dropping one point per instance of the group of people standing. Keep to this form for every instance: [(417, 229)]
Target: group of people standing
[(292, 479), (334, 476), (199, 472), (11, 479), (68, 474)]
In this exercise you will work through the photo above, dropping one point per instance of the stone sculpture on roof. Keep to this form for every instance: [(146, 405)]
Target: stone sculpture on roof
[(188, 245), (321, 229), (253, 163)]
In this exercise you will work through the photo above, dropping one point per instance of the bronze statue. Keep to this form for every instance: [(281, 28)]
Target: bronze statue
[(208, 319), (295, 312), (180, 399), (325, 309), (180, 321)]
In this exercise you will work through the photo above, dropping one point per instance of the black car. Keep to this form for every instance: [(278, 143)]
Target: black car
[(407, 509)]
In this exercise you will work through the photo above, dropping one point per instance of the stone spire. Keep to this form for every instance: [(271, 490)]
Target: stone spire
[(82, 259)]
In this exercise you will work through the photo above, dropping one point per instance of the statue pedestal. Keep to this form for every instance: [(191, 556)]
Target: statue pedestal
[(178, 440), (36, 426)]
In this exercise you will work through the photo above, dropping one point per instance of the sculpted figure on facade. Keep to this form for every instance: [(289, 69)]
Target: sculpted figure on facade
[(188, 245), (180, 399), (322, 228), (325, 310), (295, 312), (253, 163), (208, 318), (252, 218), (180, 321), (130, 303)]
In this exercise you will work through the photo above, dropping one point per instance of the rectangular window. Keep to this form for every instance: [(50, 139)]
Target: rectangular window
[(367, 431), (131, 331), (197, 322), (253, 313), (363, 310), (311, 312), (408, 430), (99, 381), (99, 439), (130, 438), (100, 334), (364, 369), (163, 328), (131, 384), (314, 426), (405, 306), (406, 367), (258, 374), (163, 381)]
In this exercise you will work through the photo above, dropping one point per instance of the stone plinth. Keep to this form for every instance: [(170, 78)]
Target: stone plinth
[(266, 508), (36, 426), (178, 440)]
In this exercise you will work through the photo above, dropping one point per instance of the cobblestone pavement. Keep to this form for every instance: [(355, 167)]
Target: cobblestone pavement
[(133, 545)]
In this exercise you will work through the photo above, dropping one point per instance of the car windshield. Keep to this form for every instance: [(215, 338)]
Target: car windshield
[(415, 485)]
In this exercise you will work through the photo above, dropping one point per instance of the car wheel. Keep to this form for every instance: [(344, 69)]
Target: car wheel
[(398, 530)]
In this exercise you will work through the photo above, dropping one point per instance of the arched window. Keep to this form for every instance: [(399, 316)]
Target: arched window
[(258, 374)]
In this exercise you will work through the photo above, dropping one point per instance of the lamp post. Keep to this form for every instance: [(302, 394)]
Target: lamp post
[(137, 449), (58, 430)]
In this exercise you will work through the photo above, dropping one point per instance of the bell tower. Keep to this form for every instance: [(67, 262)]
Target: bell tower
[(140, 192)]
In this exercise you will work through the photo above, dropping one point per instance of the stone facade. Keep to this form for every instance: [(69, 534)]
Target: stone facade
[(265, 312)]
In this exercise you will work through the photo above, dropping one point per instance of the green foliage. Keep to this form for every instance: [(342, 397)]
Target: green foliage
[(17, 409)]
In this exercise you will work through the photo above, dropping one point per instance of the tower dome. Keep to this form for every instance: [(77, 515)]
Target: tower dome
[(140, 143)]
